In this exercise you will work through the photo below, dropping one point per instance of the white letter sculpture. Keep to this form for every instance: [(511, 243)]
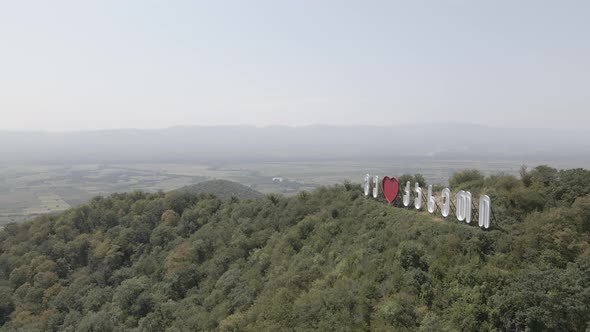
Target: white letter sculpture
[(367, 184), (376, 186), (407, 194), (464, 201), (431, 203), (418, 199), (446, 202), (485, 206), (464, 206)]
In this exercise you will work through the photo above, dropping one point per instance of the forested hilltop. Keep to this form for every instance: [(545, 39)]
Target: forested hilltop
[(223, 189), (326, 260)]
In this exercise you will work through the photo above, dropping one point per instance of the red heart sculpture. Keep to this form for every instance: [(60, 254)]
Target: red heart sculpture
[(390, 188)]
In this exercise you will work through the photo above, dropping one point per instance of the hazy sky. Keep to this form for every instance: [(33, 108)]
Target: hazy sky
[(72, 65)]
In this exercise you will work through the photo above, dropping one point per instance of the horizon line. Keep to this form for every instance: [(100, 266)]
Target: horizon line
[(316, 125)]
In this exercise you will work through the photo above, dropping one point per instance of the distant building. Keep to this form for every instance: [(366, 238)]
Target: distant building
[(279, 179)]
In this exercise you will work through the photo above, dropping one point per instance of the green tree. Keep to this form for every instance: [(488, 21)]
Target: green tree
[(470, 179), (133, 297), (6, 304)]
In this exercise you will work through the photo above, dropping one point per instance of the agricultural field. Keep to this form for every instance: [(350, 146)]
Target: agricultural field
[(30, 190)]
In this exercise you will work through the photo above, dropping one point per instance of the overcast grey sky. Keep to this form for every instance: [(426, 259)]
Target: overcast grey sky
[(77, 65)]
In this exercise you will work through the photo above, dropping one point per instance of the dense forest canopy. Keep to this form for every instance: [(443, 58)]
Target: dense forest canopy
[(222, 189), (325, 260)]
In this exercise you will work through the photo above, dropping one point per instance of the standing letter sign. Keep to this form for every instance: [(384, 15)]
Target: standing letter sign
[(462, 211), (407, 194), (446, 203), (464, 206), (485, 206), (376, 186), (418, 199), (367, 184), (431, 204)]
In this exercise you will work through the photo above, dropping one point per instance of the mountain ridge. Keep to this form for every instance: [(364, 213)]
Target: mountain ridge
[(259, 144)]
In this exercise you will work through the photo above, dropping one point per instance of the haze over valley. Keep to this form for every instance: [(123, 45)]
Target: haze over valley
[(44, 172)]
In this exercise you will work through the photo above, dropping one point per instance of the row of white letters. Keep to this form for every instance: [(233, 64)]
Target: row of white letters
[(463, 203)]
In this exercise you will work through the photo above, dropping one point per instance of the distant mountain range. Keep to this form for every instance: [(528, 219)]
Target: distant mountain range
[(279, 143)]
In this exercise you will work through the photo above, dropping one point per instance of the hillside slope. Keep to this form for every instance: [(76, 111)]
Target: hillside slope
[(223, 189), (330, 260)]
